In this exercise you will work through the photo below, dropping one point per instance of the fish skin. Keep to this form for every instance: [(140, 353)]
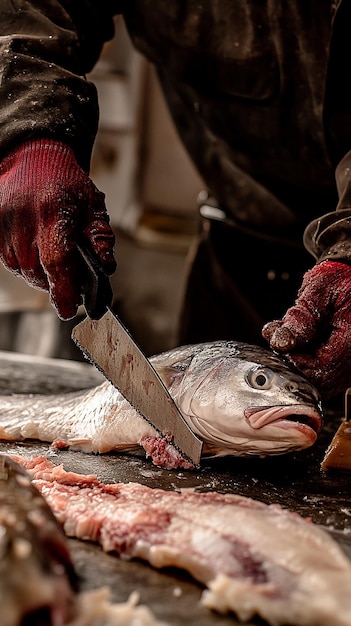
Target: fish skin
[(254, 558), (37, 578), (236, 397)]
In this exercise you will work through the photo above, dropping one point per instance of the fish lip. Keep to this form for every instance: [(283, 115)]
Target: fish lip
[(261, 416)]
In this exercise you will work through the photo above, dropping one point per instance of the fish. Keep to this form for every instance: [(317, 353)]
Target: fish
[(240, 399), (38, 582), (253, 559)]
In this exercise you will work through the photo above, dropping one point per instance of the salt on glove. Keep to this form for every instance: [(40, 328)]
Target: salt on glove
[(315, 334), (48, 204)]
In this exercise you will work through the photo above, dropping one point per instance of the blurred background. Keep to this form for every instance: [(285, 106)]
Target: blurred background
[(151, 188)]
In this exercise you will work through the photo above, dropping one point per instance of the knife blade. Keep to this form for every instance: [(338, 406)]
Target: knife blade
[(107, 343)]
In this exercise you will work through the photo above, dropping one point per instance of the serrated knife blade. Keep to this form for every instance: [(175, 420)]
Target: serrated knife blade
[(108, 344)]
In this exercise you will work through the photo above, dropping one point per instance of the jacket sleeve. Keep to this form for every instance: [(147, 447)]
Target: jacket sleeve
[(46, 48), (329, 237)]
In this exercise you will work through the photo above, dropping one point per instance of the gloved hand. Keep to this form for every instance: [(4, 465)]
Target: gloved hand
[(315, 334), (48, 204)]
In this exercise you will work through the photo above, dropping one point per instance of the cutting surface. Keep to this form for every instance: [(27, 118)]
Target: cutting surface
[(294, 481)]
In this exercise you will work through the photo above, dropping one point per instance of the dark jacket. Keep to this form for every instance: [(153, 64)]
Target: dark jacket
[(259, 91)]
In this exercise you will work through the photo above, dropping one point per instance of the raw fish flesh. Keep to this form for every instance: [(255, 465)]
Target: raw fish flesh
[(254, 558)]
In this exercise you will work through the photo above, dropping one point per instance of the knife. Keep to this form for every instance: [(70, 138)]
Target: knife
[(107, 343)]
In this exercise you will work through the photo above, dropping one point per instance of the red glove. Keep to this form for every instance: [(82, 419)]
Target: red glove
[(47, 204), (315, 334)]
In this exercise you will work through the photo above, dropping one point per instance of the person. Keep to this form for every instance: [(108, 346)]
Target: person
[(260, 94)]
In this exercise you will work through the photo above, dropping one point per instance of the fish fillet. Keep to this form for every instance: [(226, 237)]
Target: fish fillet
[(254, 559), (38, 583)]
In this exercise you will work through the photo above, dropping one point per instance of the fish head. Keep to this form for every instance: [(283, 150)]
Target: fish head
[(242, 399)]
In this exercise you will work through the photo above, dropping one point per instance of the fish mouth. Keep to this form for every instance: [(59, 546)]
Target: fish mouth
[(304, 415)]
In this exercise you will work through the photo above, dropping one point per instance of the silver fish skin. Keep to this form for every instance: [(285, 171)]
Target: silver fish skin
[(239, 398), (37, 578)]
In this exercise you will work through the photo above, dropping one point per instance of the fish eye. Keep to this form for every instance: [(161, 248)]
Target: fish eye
[(261, 378)]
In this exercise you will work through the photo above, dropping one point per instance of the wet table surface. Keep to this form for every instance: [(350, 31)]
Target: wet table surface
[(295, 481)]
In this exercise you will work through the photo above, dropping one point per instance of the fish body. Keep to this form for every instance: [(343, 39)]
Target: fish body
[(37, 579), (238, 398), (254, 558)]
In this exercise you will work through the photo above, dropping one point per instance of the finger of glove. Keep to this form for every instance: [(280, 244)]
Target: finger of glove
[(59, 257), (64, 288), (35, 277), (269, 329), (60, 261), (323, 290), (329, 369), (102, 242), (18, 251), (301, 322), (64, 296), (297, 328), (279, 338), (25, 262), (99, 232)]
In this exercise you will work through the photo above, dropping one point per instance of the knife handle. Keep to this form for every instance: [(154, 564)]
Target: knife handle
[(95, 288)]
